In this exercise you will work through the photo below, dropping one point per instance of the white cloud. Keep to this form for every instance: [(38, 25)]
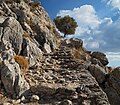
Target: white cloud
[(114, 58), (114, 3), (98, 34), (113, 55), (85, 17)]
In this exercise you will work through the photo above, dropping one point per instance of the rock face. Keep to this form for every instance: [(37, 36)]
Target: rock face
[(116, 73), (112, 87), (57, 71), (14, 83), (12, 32), (98, 72), (24, 31), (101, 57), (65, 78), (31, 50), (77, 43)]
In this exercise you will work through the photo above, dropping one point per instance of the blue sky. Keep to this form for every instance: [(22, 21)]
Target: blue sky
[(98, 23)]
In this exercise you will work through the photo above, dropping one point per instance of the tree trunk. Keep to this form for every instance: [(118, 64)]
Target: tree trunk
[(65, 32), (64, 35)]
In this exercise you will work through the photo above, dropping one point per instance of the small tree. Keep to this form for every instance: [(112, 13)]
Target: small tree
[(66, 25)]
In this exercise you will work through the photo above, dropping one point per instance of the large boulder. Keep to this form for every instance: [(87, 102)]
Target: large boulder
[(112, 95), (73, 42), (116, 73), (98, 72), (11, 76), (115, 83), (77, 43), (101, 57), (112, 89), (12, 32)]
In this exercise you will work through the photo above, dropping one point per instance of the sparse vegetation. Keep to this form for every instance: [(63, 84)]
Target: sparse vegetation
[(1, 62), (23, 62), (34, 5), (76, 54)]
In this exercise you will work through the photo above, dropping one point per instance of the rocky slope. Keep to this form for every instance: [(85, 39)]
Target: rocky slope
[(38, 67)]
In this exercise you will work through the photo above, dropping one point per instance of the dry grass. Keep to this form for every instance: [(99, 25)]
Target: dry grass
[(1, 62), (34, 5), (76, 54), (23, 63)]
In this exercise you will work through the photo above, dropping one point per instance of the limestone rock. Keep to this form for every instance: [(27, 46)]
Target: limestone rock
[(2, 19), (34, 98), (116, 73), (12, 32), (47, 48), (115, 83), (6, 11), (113, 96), (96, 62), (73, 42), (32, 51), (66, 102), (98, 72), (14, 83), (54, 73), (6, 103), (77, 43), (101, 57)]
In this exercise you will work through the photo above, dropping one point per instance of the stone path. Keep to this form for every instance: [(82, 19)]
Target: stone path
[(61, 77)]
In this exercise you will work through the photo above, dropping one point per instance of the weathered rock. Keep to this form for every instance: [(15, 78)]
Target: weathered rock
[(77, 83), (98, 72), (12, 32), (14, 83), (2, 19), (47, 48), (58, 76), (32, 51), (6, 11), (66, 102), (6, 103), (113, 96), (115, 83), (96, 62), (101, 57), (116, 73), (77, 43), (22, 99), (73, 42), (34, 98), (43, 88)]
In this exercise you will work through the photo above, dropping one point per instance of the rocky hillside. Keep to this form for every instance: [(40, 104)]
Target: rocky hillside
[(38, 67)]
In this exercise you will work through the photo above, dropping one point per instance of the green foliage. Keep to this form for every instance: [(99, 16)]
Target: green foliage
[(66, 25)]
